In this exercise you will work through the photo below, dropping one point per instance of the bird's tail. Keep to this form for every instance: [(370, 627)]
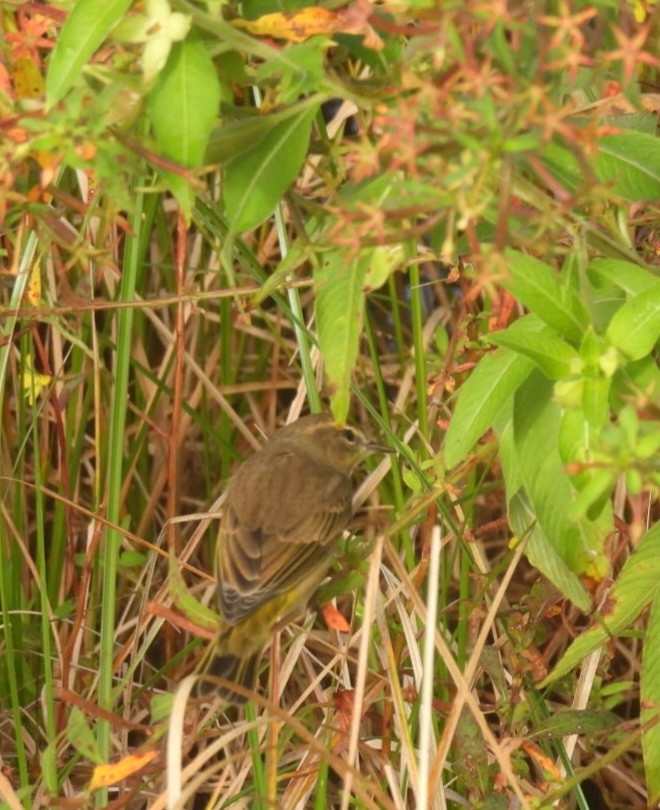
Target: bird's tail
[(239, 667), (241, 671)]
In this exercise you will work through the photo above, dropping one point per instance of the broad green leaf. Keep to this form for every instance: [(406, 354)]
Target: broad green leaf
[(636, 586), (495, 379), (88, 24), (539, 288), (255, 181), (536, 423), (184, 106), (650, 701), (233, 138), (81, 736), (592, 496), (531, 337), (339, 289), (635, 328), (185, 102), (541, 553), (641, 121), (632, 161), (630, 277), (523, 522), (593, 483)]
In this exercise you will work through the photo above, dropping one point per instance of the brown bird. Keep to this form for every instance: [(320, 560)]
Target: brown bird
[(286, 509)]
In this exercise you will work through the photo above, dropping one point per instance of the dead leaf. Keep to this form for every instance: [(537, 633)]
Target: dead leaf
[(297, 26), (105, 775), (334, 619)]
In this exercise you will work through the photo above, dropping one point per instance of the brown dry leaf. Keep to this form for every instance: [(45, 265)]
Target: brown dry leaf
[(297, 26), (105, 775)]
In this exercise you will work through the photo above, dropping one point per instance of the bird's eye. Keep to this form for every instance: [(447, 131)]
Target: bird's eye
[(349, 434)]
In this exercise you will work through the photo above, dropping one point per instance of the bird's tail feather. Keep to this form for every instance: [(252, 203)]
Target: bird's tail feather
[(233, 668), (233, 658)]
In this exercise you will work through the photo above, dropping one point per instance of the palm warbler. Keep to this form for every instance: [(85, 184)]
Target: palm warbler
[(286, 509)]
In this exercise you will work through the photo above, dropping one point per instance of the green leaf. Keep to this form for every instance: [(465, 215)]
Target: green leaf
[(495, 379), (81, 736), (233, 138), (536, 425), (631, 160), (184, 601), (529, 336), (635, 328), (575, 721), (300, 67), (541, 553), (86, 27), (339, 288), (636, 586), (595, 400), (185, 103), (255, 181), (650, 701), (630, 277), (384, 260), (160, 707), (538, 287)]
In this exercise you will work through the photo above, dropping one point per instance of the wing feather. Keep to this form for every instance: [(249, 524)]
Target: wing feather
[(284, 539)]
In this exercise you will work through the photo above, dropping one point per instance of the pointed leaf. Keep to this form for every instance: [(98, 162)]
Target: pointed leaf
[(495, 379), (636, 586), (650, 700), (536, 425), (630, 277), (540, 289), (339, 313), (541, 553), (632, 161), (184, 105), (529, 336), (255, 181), (85, 29), (635, 328)]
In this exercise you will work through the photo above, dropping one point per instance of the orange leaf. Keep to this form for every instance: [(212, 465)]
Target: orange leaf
[(334, 619), (105, 775), (548, 766)]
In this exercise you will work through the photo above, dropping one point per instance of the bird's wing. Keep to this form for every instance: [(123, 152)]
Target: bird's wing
[(283, 540), (274, 544)]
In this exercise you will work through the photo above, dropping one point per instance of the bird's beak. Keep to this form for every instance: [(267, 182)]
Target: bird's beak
[(377, 447)]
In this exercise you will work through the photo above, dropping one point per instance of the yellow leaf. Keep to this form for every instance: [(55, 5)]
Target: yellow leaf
[(105, 775), (294, 26), (33, 291), (28, 81), (297, 26), (33, 382)]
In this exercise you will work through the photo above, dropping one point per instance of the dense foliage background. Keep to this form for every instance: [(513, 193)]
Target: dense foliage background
[(437, 218)]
